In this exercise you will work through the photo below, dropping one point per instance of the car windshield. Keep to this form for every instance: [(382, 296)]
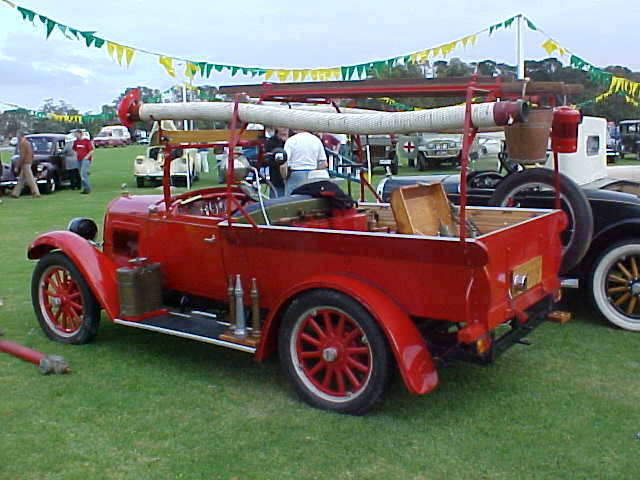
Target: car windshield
[(41, 144), (612, 131)]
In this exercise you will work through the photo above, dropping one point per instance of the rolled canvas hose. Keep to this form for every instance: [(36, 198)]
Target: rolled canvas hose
[(489, 114)]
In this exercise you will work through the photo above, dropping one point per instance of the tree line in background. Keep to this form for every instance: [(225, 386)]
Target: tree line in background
[(614, 108)]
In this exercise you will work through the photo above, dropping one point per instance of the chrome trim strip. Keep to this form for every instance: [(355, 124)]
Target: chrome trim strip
[(190, 336), (570, 283)]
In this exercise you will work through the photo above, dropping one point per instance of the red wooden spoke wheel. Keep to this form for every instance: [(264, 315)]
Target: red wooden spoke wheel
[(60, 300), (333, 352), (64, 304)]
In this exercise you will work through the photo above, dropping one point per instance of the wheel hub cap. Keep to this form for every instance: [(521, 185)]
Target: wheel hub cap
[(635, 288), (329, 354)]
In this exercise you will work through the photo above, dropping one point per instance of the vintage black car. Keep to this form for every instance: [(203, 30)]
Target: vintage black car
[(48, 163), (629, 137), (607, 267)]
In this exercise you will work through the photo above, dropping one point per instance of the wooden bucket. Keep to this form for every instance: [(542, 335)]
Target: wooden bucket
[(527, 142)]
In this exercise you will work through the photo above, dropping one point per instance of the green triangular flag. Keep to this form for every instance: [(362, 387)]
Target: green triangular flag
[(377, 66), (42, 18), (531, 25), (27, 14), (88, 37), (73, 32), (507, 23), (344, 72), (577, 62), (234, 70), (406, 59), (244, 70), (50, 26), (208, 68), (391, 62), (361, 69), (218, 67), (201, 67), (98, 42)]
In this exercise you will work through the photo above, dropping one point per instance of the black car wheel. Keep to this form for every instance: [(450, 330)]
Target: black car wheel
[(50, 186), (576, 238), (614, 284), (66, 309), (333, 353)]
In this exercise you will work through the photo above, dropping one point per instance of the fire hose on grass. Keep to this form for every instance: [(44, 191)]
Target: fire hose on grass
[(46, 363)]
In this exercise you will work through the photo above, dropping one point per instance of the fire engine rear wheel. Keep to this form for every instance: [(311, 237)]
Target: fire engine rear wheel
[(333, 353), (614, 284), (66, 309), (577, 236)]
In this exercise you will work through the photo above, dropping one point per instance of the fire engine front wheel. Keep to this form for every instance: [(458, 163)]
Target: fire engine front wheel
[(614, 284), (65, 307), (333, 353)]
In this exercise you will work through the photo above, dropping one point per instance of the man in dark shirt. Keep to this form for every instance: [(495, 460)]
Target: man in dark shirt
[(276, 141)]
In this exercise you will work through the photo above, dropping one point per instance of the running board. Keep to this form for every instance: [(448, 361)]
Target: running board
[(147, 325)]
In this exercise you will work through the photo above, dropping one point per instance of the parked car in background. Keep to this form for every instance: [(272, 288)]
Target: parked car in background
[(149, 167), (629, 137), (112, 136), (382, 152), (48, 163), (431, 150), (613, 142)]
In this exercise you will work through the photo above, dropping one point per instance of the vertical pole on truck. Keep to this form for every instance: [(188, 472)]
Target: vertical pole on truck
[(520, 46), (468, 135)]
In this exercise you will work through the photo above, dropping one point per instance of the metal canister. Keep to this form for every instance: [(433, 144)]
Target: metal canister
[(139, 289)]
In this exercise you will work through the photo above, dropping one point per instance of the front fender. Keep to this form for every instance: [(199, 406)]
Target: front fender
[(409, 349), (98, 270)]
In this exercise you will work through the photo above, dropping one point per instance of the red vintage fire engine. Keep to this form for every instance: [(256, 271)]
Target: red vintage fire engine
[(343, 296)]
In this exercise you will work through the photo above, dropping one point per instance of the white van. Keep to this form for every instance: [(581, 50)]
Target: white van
[(112, 136)]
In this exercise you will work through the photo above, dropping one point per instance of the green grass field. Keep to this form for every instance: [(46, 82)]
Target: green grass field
[(140, 405)]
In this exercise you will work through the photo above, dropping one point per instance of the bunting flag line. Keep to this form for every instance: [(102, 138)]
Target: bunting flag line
[(124, 54)]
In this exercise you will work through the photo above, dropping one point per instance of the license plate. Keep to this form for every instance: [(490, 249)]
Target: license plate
[(385, 162), (441, 152)]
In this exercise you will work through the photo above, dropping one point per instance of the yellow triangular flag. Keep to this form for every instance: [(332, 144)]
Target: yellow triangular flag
[(190, 69), (422, 56), (282, 74), (303, 74), (119, 52), (472, 39), (167, 63), (110, 49), (413, 57), (296, 75), (268, 74), (335, 73), (314, 74), (128, 54), (549, 46)]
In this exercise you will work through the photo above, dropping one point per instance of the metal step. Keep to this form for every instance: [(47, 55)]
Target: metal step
[(194, 327)]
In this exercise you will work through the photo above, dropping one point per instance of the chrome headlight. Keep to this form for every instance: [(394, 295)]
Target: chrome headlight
[(40, 168)]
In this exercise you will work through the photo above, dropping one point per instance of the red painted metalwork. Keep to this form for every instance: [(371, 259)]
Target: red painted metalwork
[(333, 352), (96, 268), (396, 278), (412, 357), (467, 138)]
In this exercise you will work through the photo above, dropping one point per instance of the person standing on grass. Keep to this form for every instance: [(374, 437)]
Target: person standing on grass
[(83, 148), (71, 165), (25, 175)]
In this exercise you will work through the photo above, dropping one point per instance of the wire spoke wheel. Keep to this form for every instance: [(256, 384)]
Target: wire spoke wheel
[(333, 352), (60, 300), (64, 305), (615, 284)]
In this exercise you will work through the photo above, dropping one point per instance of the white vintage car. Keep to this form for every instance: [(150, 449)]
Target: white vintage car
[(184, 171)]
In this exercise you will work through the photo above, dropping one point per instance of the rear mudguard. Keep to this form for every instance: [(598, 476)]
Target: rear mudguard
[(412, 356), (98, 270)]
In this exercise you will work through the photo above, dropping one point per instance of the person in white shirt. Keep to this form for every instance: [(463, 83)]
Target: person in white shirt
[(306, 160)]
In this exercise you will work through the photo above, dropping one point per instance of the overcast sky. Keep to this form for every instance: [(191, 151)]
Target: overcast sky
[(282, 33)]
